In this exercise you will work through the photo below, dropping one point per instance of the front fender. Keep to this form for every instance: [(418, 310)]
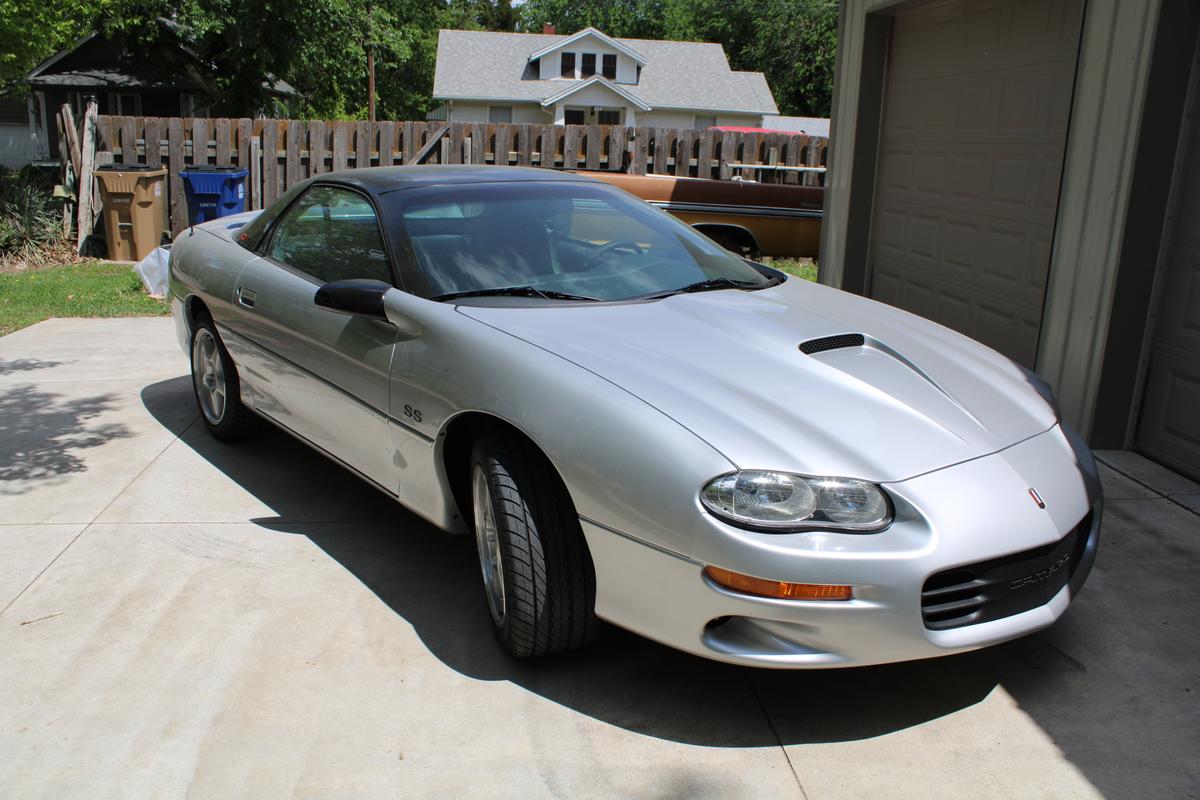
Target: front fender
[(627, 466)]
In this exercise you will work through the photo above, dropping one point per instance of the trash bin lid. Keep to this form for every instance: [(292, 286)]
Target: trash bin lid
[(128, 168), (210, 168)]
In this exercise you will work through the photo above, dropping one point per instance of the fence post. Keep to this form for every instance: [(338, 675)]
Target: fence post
[(812, 158), (83, 182), (174, 182)]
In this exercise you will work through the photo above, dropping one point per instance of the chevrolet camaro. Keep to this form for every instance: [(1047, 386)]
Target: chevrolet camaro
[(639, 426)]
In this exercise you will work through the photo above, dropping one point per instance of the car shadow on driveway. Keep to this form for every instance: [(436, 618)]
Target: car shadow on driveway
[(431, 579)]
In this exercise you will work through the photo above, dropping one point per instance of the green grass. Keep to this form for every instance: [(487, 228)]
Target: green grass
[(804, 268), (81, 290)]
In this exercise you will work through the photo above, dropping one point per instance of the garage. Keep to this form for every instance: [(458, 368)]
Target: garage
[(1169, 429), (975, 109)]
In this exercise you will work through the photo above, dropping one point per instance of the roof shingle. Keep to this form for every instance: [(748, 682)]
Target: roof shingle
[(695, 75)]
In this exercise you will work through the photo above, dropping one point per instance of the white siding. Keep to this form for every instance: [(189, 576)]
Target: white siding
[(532, 113), (548, 66), (740, 120), (462, 111), (17, 146), (477, 111), (666, 119)]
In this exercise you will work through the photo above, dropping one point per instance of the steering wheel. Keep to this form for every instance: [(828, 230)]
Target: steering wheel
[(611, 247)]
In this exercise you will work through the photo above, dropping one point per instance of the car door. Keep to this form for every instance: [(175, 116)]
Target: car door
[(319, 373)]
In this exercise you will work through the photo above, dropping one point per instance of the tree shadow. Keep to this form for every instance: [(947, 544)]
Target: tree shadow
[(12, 365), (430, 579), (42, 434)]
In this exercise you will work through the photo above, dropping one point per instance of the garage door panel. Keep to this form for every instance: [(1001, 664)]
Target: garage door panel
[(970, 158), (1020, 107), (993, 318), (1169, 427), (1012, 182), (989, 33), (995, 256), (1179, 312)]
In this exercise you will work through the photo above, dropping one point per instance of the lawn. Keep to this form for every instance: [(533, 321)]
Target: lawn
[(804, 268), (93, 289)]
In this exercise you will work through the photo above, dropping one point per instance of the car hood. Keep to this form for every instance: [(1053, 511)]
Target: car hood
[(728, 365)]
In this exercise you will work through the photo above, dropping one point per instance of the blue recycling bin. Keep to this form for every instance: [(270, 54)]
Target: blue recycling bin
[(214, 192)]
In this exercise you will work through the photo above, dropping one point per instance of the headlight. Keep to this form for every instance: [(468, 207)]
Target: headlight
[(781, 501)]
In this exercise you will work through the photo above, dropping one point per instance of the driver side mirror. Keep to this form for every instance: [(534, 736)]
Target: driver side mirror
[(361, 297)]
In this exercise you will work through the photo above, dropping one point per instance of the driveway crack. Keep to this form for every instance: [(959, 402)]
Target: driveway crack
[(774, 731), (99, 514)]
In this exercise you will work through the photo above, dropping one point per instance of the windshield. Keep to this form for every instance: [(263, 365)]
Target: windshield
[(560, 241)]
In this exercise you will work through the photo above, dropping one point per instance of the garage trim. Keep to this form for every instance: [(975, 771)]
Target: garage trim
[(1111, 82)]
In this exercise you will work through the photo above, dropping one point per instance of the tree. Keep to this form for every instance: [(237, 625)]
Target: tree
[(795, 44), (31, 32), (635, 19)]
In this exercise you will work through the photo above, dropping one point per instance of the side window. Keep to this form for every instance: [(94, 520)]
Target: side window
[(331, 234)]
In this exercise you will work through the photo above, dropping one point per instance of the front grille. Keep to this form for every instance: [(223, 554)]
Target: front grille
[(832, 343), (1002, 586)]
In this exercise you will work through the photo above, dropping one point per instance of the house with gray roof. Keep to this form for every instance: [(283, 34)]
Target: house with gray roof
[(591, 78)]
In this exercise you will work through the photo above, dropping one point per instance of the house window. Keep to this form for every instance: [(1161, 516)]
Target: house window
[(610, 66), (609, 116), (703, 121), (124, 104), (573, 116), (193, 105), (78, 103), (499, 113), (587, 67), (568, 65)]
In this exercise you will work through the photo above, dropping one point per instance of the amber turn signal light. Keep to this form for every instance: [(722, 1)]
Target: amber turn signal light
[(781, 590)]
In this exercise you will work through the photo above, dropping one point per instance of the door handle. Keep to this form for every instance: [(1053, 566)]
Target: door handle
[(246, 297)]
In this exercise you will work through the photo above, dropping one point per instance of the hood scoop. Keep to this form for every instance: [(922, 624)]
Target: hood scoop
[(838, 342)]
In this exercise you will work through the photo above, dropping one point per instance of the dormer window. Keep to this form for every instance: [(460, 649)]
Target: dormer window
[(587, 67), (568, 65), (610, 66)]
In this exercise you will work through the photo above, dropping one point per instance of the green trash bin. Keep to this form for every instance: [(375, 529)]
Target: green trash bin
[(132, 196)]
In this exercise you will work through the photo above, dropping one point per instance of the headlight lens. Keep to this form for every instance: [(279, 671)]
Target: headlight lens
[(782, 501)]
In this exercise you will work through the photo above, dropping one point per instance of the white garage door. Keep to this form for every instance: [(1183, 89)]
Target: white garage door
[(975, 120), (1169, 429)]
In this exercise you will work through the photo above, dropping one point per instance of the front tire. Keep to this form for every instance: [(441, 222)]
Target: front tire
[(537, 574), (215, 383)]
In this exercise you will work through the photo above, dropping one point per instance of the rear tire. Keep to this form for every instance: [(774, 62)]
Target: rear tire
[(217, 388), (538, 574)]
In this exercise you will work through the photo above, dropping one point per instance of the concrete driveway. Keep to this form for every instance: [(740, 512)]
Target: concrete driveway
[(181, 617)]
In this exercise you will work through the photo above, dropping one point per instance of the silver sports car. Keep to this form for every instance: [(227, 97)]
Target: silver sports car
[(639, 426)]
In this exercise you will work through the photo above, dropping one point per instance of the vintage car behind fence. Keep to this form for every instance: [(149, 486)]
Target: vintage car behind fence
[(751, 219), (639, 426)]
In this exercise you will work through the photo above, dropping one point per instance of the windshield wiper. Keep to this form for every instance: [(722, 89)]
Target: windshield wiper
[(709, 285), (517, 291)]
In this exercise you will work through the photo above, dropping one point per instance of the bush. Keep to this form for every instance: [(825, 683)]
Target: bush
[(31, 221)]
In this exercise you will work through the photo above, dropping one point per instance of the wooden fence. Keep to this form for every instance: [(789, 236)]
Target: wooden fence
[(279, 153)]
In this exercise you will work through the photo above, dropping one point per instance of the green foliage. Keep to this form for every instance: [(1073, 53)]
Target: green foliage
[(804, 268), (78, 290), (31, 31), (30, 220), (635, 19), (795, 45), (320, 46)]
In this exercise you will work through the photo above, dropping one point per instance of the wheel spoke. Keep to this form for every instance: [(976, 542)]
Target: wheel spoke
[(487, 540)]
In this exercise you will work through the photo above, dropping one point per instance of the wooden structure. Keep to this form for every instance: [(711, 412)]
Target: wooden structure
[(279, 153)]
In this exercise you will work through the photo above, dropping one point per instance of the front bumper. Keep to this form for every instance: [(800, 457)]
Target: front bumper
[(957, 516)]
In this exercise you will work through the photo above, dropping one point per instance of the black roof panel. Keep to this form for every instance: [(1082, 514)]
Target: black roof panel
[(380, 180)]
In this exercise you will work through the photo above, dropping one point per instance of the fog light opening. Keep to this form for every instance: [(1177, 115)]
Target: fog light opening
[(779, 590), (715, 623)]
